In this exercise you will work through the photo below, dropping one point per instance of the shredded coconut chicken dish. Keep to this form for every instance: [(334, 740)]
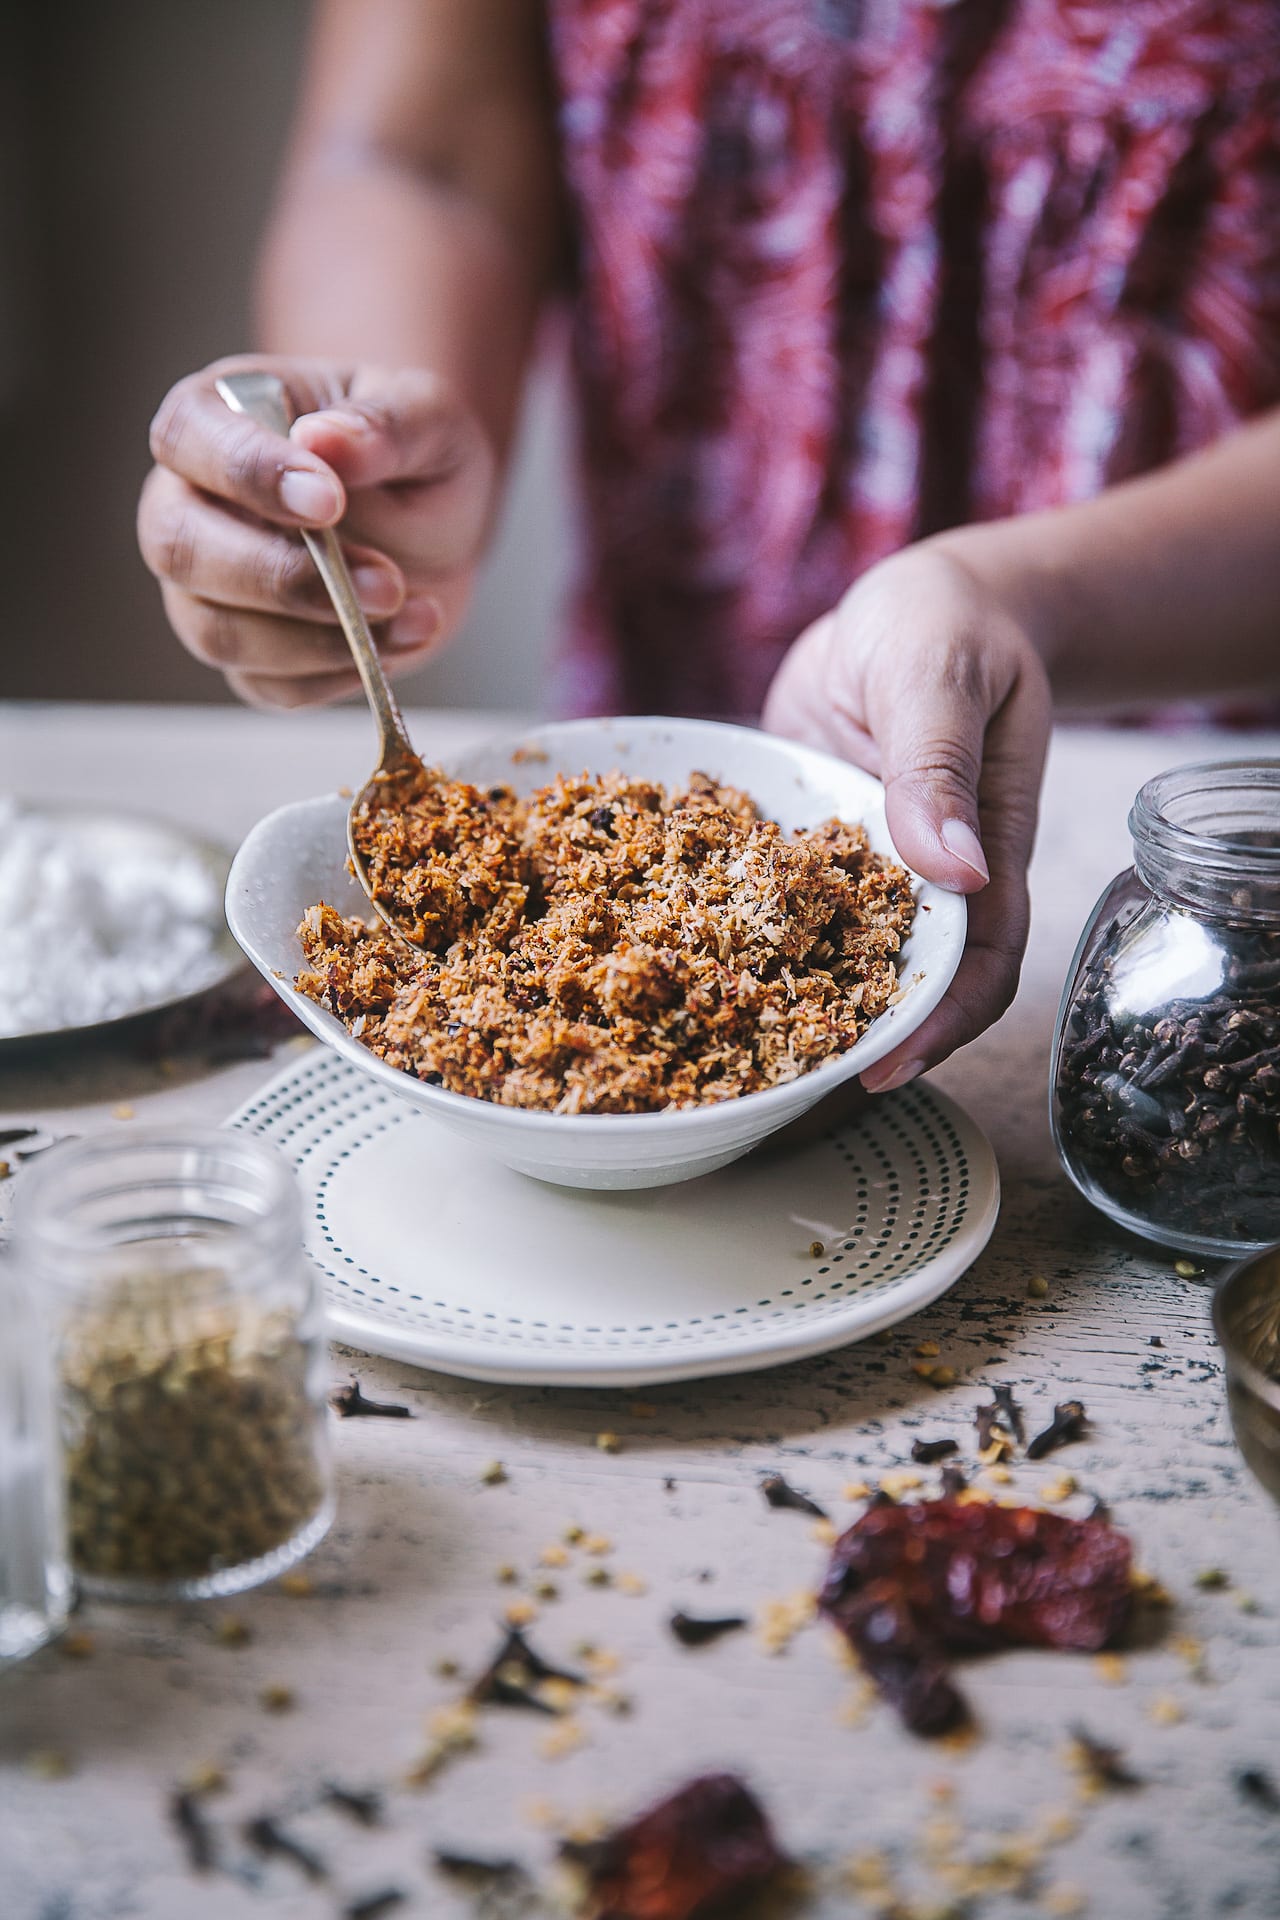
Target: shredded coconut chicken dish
[(605, 946)]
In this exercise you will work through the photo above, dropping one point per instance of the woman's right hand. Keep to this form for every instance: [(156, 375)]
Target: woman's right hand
[(406, 474)]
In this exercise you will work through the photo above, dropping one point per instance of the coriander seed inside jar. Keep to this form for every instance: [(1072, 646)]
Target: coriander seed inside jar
[(190, 1359), (1166, 1063)]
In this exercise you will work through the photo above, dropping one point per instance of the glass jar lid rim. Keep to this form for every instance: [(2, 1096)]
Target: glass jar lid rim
[(278, 1211), (1150, 822)]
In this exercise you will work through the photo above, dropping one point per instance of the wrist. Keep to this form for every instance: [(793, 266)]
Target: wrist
[(1016, 562)]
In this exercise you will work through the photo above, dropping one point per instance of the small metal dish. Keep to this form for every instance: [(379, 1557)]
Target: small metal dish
[(1246, 1319)]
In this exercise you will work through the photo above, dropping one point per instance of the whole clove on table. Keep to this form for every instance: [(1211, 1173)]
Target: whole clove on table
[(187, 1814), (1173, 1114), (1068, 1423), (265, 1834), (780, 1493), (514, 1674), (926, 1453), (693, 1632), (372, 1906), (351, 1403)]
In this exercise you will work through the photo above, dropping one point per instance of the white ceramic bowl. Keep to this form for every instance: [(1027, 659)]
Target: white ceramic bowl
[(297, 856)]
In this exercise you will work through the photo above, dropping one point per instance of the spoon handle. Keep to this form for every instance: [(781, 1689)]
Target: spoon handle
[(264, 398)]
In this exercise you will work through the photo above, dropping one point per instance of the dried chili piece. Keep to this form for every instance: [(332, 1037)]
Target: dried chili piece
[(911, 1584), (780, 1493), (683, 1858)]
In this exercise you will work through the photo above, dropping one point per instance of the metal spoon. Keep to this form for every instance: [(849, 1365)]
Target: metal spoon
[(265, 398)]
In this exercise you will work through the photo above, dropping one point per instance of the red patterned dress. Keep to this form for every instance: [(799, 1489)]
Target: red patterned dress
[(852, 271)]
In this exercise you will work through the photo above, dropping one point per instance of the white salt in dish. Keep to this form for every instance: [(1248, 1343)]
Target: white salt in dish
[(104, 916)]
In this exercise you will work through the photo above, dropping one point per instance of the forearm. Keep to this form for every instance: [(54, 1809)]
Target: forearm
[(365, 262), (418, 221), (1163, 587)]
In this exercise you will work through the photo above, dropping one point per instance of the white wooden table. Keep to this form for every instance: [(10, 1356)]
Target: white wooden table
[(408, 1575)]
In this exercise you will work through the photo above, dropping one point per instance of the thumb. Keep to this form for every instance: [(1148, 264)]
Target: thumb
[(931, 737), (404, 429)]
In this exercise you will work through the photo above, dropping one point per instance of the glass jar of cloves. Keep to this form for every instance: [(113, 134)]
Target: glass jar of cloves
[(1166, 1061), (189, 1359)]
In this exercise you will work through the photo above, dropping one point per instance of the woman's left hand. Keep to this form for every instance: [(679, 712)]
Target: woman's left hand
[(927, 676)]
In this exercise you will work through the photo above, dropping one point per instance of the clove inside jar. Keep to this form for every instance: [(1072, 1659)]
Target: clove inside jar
[(1166, 1061), (189, 1360)]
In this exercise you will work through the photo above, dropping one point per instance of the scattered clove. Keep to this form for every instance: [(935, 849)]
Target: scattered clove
[(187, 1815), (1257, 1786), (372, 1906), (476, 1866), (1068, 1423), (691, 1632), (512, 1676), (1101, 1765), (364, 1806), (351, 1402), (927, 1452), (779, 1493), (266, 1834)]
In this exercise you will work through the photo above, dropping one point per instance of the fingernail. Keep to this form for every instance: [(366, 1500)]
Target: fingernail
[(309, 495), (377, 589), (344, 417), (418, 621), (884, 1079), (959, 838)]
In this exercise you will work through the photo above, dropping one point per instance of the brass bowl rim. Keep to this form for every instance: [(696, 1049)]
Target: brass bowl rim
[(1261, 1385)]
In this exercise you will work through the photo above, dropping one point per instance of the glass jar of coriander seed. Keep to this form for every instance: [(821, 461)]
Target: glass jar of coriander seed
[(189, 1359), (1166, 1063)]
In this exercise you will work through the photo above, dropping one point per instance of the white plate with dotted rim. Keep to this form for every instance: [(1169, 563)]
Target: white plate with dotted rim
[(434, 1253)]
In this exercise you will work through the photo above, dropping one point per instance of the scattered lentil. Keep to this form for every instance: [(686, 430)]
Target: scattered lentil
[(1166, 1711), (562, 1740)]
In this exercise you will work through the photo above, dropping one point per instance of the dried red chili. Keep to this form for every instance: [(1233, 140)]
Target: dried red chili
[(909, 1585), (683, 1858)]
